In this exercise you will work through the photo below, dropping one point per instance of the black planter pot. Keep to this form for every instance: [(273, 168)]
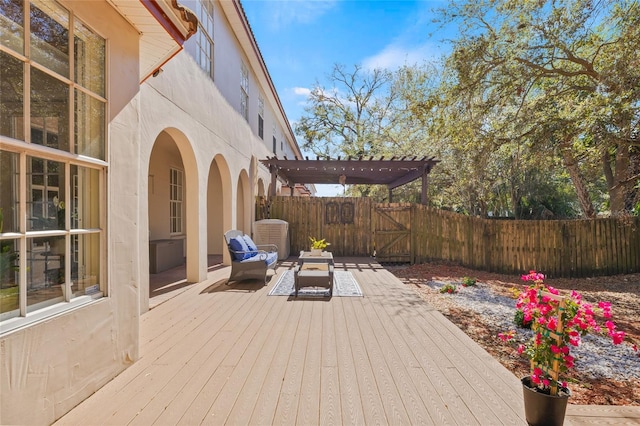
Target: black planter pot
[(541, 409)]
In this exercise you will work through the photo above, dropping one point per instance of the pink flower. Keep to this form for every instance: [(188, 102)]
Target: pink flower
[(617, 337), (550, 341), (536, 377), (604, 305), (568, 361), (538, 340)]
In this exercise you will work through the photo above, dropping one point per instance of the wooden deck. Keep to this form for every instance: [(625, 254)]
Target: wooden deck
[(217, 354)]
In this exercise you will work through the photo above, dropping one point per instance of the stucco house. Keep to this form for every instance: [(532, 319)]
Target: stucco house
[(126, 127)]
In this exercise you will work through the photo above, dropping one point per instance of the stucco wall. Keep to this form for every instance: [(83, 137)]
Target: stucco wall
[(184, 108), (49, 367), (229, 54)]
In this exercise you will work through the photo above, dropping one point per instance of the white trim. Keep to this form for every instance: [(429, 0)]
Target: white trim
[(17, 323)]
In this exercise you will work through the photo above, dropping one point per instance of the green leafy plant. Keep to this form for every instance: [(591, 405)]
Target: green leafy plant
[(318, 244), (468, 282), (449, 288)]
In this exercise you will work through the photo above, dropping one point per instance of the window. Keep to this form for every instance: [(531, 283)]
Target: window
[(261, 117), (55, 255), (175, 200), (244, 91), (201, 44), (274, 139)]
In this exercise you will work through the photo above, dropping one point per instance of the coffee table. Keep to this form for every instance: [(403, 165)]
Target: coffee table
[(314, 271)]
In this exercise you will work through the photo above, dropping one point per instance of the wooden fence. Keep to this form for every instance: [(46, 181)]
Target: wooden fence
[(417, 234)]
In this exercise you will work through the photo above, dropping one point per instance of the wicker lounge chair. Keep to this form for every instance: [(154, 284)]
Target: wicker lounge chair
[(248, 260)]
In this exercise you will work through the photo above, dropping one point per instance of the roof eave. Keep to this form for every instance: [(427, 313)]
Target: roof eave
[(164, 26)]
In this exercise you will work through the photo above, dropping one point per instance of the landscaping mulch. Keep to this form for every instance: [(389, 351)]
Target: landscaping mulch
[(623, 291)]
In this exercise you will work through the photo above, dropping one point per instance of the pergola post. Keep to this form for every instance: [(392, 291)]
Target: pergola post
[(390, 194), (274, 178)]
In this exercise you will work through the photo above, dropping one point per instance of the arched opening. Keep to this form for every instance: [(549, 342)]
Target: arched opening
[(218, 208), (173, 213), (260, 188), (167, 205), (243, 203)]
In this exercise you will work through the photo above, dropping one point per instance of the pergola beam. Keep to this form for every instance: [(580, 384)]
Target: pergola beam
[(393, 172)]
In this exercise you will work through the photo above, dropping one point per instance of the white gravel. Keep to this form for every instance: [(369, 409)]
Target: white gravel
[(596, 356)]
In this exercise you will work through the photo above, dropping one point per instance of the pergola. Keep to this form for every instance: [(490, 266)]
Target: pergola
[(393, 172)]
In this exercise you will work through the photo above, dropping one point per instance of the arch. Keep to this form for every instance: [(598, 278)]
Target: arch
[(218, 205), (260, 188), (172, 165), (243, 203)]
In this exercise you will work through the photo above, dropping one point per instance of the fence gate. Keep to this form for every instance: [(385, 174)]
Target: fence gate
[(391, 229)]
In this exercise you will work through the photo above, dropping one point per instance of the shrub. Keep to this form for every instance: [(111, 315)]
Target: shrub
[(449, 288), (468, 282)]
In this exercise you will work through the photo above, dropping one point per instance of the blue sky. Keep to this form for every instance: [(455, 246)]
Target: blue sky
[(301, 40)]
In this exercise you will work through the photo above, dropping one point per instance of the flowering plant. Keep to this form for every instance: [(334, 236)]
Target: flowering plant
[(318, 244), (558, 323), (449, 288)]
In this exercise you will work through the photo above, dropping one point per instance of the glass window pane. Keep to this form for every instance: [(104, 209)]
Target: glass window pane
[(85, 198), (11, 96), (85, 264), (89, 59), (50, 35), (90, 128), (9, 192), (45, 260), (12, 25), (9, 273), (49, 102), (46, 201)]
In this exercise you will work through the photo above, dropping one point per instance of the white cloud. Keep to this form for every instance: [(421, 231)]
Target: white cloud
[(394, 56), (290, 12), (302, 91)]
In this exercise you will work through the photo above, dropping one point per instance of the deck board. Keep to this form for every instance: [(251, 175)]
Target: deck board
[(218, 354)]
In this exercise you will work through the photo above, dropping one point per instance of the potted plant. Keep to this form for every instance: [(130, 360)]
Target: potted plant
[(317, 246), (558, 323)]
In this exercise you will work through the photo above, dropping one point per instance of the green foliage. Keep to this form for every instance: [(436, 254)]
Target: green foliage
[(468, 282), (449, 288), (511, 113), (8, 261)]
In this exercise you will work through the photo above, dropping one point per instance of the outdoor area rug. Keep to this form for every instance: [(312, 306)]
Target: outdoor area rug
[(343, 285)]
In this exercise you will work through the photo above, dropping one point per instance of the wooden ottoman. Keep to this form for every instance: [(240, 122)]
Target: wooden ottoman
[(314, 275)]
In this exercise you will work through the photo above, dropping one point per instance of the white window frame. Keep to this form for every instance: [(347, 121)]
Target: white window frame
[(176, 201), (244, 91), (204, 39), (261, 116), (24, 149)]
